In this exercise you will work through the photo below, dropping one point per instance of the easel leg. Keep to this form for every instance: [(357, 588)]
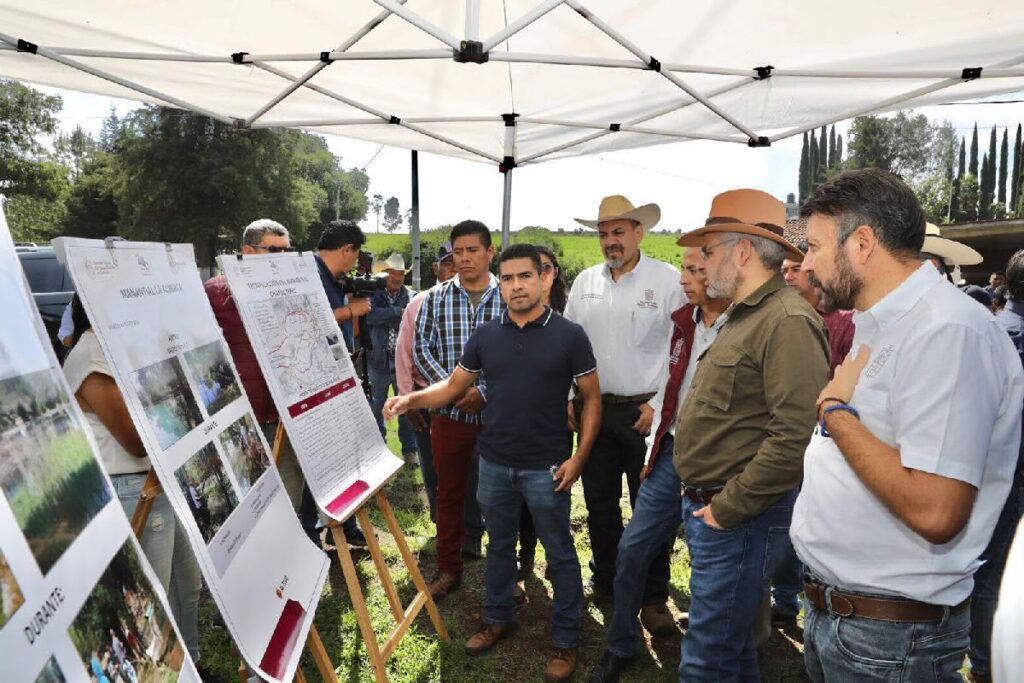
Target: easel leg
[(355, 591), (411, 565), (323, 662), (382, 567), (150, 490)]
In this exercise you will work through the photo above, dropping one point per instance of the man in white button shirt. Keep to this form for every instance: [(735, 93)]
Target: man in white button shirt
[(906, 474), (624, 306)]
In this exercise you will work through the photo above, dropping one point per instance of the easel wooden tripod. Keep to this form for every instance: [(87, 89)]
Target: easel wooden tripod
[(404, 617)]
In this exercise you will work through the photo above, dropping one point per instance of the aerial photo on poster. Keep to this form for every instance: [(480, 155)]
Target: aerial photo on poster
[(47, 471), (122, 632)]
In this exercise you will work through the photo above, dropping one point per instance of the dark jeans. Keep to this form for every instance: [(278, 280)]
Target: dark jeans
[(988, 578), (729, 573), (858, 650), (527, 537), (381, 381), (618, 450), (427, 465), (454, 449), (651, 530), (787, 585), (502, 492)]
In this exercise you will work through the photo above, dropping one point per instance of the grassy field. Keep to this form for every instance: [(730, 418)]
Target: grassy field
[(422, 658), (577, 250)]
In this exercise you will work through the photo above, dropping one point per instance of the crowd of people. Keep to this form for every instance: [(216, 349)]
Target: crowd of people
[(832, 418)]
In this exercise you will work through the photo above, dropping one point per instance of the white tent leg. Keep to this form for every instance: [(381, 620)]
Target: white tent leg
[(506, 210), (125, 83)]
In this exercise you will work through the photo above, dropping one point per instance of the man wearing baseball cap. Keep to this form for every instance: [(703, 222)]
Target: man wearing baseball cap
[(742, 430), (409, 379), (624, 305)]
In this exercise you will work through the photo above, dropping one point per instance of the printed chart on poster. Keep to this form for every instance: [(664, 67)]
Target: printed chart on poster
[(152, 318), (78, 600), (311, 378)]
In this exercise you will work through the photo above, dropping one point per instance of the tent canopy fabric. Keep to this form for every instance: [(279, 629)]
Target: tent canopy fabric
[(582, 76)]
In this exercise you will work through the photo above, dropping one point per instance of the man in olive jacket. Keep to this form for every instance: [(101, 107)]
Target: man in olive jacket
[(742, 431)]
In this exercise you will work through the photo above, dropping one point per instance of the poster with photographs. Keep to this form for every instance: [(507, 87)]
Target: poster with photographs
[(311, 378), (151, 316), (78, 601)]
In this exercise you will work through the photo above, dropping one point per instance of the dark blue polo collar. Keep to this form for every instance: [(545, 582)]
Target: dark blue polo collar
[(540, 321)]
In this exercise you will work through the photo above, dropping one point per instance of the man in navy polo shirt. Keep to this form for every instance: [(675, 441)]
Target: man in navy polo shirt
[(530, 357)]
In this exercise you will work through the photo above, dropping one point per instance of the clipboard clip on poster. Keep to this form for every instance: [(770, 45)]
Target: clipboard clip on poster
[(110, 241)]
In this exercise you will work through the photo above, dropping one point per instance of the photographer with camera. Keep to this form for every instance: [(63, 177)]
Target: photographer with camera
[(338, 253)]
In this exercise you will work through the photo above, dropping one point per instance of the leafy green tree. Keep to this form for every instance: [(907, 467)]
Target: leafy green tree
[(91, 207), (392, 215), (819, 173), (803, 184), (984, 188), (839, 153), (812, 163), (27, 118), (74, 150), (934, 192), (969, 192), (961, 168), (900, 144), (954, 202), (377, 206)]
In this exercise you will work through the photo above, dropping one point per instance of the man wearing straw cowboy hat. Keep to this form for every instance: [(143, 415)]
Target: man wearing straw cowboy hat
[(624, 306), (383, 321), (947, 255), (742, 430)]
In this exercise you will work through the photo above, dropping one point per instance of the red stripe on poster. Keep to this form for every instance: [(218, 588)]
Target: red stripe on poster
[(282, 643), (347, 496), (319, 397)]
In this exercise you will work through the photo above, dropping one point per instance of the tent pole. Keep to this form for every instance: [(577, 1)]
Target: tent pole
[(117, 80), (419, 22), (520, 23), (414, 221), (304, 78), (506, 209), (472, 20)]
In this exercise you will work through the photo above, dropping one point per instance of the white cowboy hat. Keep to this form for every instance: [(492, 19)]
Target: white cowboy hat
[(395, 262), (616, 207), (952, 252)]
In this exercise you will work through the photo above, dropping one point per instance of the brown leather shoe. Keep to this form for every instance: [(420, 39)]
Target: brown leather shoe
[(658, 620), (488, 636), (444, 584), (561, 665)]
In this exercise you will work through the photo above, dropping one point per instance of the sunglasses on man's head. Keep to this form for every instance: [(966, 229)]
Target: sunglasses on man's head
[(275, 249)]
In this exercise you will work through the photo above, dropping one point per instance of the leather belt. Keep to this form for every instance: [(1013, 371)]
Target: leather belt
[(881, 609), (638, 398), (700, 495)]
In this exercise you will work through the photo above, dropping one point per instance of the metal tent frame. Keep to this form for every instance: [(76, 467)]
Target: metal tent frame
[(470, 49)]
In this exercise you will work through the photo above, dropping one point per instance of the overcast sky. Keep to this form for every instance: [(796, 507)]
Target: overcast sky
[(681, 177)]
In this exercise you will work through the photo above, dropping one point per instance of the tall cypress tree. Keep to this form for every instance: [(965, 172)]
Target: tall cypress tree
[(832, 147), (804, 160), (985, 189), (954, 202), (1004, 160), (812, 163), (963, 154), (839, 152), (1015, 177), (972, 161), (822, 155)]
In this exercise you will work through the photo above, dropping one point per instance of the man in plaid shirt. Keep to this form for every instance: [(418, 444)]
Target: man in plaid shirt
[(445, 321)]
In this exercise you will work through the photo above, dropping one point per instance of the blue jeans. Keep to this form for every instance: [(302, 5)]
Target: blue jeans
[(166, 547), (787, 584), (858, 650), (729, 573), (502, 492), (381, 381), (988, 578), (652, 526), (427, 466)]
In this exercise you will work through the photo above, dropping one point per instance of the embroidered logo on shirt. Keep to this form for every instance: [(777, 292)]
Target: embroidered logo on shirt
[(648, 295), (592, 295), (880, 360), (676, 350)]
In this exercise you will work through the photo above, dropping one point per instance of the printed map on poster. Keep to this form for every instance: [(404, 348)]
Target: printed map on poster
[(311, 378), (78, 600), (154, 322)]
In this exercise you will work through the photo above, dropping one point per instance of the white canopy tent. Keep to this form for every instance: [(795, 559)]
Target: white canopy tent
[(517, 82)]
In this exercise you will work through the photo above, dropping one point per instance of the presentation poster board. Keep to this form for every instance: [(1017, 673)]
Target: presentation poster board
[(311, 378), (150, 313), (78, 600)]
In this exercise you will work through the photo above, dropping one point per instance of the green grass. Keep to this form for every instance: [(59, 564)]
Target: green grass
[(422, 658)]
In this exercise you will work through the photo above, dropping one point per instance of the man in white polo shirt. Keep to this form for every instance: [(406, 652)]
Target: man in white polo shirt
[(906, 474), (624, 306)]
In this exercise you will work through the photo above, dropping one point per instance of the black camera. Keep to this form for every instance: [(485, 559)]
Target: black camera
[(362, 287)]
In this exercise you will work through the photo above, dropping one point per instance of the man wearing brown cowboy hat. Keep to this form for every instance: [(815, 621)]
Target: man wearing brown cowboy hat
[(742, 430), (624, 306)]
